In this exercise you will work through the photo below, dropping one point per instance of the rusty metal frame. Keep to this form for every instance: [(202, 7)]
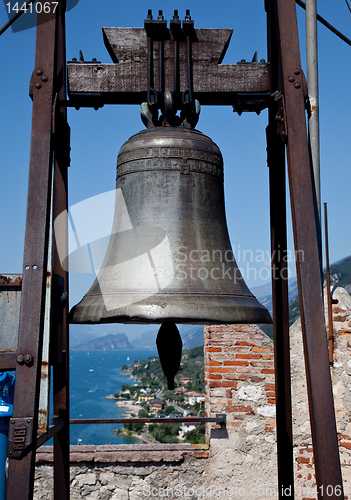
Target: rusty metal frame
[(220, 418), (289, 79), (276, 137), (329, 291), (48, 162)]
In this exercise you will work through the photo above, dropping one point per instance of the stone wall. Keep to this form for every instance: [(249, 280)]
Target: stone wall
[(239, 378), (240, 459)]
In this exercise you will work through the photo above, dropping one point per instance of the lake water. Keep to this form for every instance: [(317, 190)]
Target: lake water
[(94, 375)]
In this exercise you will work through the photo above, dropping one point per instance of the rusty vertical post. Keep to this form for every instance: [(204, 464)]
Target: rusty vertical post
[(277, 187), (60, 347), (321, 405), (329, 297), (48, 80), (26, 401)]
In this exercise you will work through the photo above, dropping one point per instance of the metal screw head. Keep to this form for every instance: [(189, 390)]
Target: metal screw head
[(20, 359), (44, 78), (28, 359), (38, 85), (39, 72), (291, 79), (64, 299), (297, 71), (297, 85)]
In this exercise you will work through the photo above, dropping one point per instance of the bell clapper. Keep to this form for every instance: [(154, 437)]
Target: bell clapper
[(169, 346)]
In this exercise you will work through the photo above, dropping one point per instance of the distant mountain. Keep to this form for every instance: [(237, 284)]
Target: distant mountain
[(146, 340), (192, 336), (79, 334), (264, 293), (340, 275), (110, 342)]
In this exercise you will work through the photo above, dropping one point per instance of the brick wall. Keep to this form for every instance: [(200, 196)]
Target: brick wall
[(239, 372), (239, 379)]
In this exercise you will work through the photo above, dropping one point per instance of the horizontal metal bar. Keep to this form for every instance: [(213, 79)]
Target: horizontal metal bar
[(56, 425), (219, 419), (8, 360), (250, 101), (10, 280)]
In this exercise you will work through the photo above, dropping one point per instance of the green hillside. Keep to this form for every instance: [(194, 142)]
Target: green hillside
[(340, 274), (150, 373)]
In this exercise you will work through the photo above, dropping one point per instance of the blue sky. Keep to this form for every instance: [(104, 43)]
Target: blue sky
[(96, 136)]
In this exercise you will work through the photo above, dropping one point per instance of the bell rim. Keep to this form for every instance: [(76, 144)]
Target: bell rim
[(192, 310)]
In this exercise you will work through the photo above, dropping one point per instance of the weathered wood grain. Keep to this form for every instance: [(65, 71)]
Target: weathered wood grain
[(131, 44), (127, 84), (125, 81)]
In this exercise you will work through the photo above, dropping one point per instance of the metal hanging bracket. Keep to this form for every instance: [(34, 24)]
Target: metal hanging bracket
[(280, 116)]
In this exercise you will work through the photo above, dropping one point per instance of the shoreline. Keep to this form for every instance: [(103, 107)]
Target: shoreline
[(130, 405)]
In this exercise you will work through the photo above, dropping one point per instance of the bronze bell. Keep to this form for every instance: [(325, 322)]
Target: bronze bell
[(174, 262)]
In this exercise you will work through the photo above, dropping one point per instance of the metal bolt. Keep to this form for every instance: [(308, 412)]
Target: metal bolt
[(175, 16), (297, 85), (243, 60), (149, 14), (38, 85), (44, 78), (28, 359), (291, 79), (94, 59), (39, 72), (74, 59), (28, 421), (160, 15), (12, 421), (20, 359), (297, 71), (64, 299)]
